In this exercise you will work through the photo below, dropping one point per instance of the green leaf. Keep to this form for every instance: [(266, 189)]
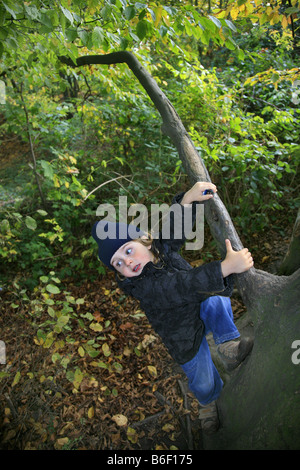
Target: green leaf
[(51, 312), (97, 36), (16, 379), (129, 12), (231, 25), (78, 377), (48, 170), (52, 289), (141, 29), (106, 350), (106, 11), (30, 223), (63, 320), (42, 212), (32, 12), (67, 14), (102, 365), (93, 353), (215, 21), (10, 10), (71, 34), (46, 21), (84, 36), (230, 44)]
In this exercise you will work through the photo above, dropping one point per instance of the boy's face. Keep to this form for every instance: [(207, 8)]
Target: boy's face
[(130, 259)]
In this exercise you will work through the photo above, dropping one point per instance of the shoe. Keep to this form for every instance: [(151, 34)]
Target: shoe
[(233, 353), (209, 419)]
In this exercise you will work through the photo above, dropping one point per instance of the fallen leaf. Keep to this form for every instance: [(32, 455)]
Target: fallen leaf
[(106, 350), (16, 379), (126, 325), (152, 371), (132, 435), (120, 420), (61, 442), (168, 427), (96, 327)]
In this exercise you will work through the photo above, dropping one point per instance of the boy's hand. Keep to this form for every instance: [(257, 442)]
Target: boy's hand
[(196, 193), (236, 261)]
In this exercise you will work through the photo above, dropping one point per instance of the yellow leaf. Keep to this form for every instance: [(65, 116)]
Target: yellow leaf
[(81, 351), (61, 442), (234, 13), (127, 351), (91, 412), (152, 371), (106, 350), (56, 181), (132, 435), (96, 327), (120, 420), (168, 427), (16, 379), (284, 22), (158, 13)]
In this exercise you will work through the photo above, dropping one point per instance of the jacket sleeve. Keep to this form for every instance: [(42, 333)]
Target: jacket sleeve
[(199, 283), (175, 223), (173, 288)]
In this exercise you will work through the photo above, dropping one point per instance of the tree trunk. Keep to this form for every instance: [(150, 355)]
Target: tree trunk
[(291, 261), (260, 404)]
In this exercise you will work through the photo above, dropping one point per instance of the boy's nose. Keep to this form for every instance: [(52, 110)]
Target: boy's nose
[(128, 261)]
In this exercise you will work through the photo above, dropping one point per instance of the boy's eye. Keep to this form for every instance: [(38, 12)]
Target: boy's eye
[(128, 251)]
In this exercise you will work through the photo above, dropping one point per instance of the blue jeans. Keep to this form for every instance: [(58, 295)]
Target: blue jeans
[(204, 379)]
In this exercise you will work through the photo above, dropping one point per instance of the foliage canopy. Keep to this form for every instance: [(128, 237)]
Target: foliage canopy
[(92, 133)]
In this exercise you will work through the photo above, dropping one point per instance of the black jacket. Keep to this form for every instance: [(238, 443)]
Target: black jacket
[(170, 293)]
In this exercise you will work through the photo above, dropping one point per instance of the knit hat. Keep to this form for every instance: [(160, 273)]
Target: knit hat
[(110, 236)]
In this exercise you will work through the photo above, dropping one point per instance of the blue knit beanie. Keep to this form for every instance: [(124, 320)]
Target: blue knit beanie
[(110, 236)]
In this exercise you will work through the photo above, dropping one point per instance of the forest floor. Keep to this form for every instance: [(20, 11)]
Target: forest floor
[(107, 382), (132, 397)]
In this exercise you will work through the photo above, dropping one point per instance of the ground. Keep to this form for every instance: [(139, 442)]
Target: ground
[(60, 395)]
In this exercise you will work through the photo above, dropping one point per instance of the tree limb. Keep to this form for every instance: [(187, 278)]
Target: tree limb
[(221, 225)]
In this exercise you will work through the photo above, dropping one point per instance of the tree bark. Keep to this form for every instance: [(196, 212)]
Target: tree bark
[(291, 261), (259, 406)]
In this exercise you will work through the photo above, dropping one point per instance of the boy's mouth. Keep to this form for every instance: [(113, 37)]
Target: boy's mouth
[(136, 268)]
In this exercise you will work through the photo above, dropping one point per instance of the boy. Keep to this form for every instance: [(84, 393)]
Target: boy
[(182, 303)]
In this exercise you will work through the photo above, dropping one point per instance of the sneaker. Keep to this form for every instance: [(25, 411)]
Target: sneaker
[(233, 353), (209, 419)]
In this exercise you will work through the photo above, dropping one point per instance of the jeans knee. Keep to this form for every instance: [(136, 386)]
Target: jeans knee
[(205, 391)]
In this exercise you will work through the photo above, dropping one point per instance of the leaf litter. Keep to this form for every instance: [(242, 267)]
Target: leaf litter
[(91, 375)]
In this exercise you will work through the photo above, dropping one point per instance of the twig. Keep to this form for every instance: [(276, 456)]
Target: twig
[(163, 401), (103, 184), (11, 406), (31, 148), (148, 419), (187, 416)]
